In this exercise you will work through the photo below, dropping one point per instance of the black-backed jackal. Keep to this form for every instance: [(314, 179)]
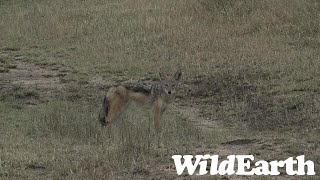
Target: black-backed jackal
[(157, 95)]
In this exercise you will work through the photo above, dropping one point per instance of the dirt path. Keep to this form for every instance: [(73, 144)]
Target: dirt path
[(29, 75), (31, 79)]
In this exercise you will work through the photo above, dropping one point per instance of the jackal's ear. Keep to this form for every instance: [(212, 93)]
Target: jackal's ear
[(177, 75)]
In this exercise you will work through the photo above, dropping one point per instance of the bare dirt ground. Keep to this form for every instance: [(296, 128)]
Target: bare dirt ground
[(48, 82)]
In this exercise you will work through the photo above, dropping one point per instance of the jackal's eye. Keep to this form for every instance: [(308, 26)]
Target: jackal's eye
[(166, 85)]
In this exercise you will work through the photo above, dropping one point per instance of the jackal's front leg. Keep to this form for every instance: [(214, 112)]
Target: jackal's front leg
[(156, 116), (157, 110)]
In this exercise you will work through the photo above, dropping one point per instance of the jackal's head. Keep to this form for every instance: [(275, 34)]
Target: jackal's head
[(169, 84)]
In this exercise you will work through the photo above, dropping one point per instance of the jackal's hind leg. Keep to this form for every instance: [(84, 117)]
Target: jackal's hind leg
[(117, 106), (156, 110), (103, 112)]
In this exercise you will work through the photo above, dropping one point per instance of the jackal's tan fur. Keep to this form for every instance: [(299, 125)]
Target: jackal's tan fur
[(157, 95)]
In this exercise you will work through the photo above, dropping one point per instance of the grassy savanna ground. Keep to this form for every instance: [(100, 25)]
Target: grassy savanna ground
[(250, 69)]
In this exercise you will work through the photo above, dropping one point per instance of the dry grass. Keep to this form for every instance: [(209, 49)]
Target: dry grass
[(63, 140), (253, 64)]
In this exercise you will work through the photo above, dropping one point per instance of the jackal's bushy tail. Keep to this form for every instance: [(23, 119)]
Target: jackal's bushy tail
[(104, 111)]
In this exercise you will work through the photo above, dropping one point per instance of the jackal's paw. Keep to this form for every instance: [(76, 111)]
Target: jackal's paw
[(160, 145), (153, 134), (104, 123)]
